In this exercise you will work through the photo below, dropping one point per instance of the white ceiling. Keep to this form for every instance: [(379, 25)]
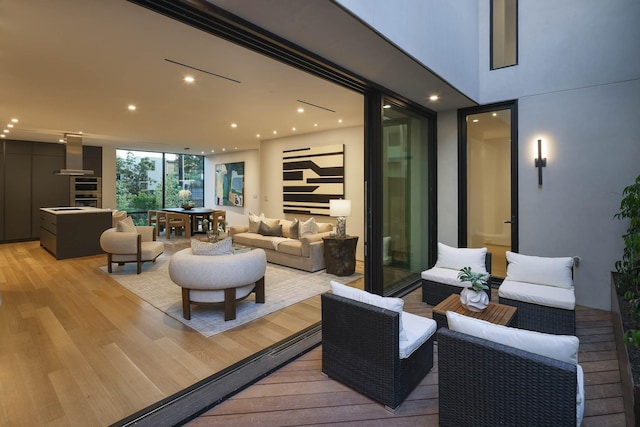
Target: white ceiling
[(75, 65)]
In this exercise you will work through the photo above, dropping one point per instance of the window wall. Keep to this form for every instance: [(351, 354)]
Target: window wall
[(405, 196), (149, 180)]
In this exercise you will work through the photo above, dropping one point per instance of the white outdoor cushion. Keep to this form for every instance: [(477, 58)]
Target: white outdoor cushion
[(419, 329), (443, 275), (549, 296), (390, 303), (457, 258), (540, 270), (559, 347)]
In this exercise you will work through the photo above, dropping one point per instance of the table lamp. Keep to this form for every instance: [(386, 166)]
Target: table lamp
[(340, 209)]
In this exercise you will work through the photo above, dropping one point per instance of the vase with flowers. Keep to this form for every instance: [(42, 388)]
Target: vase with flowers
[(474, 297), (185, 199)]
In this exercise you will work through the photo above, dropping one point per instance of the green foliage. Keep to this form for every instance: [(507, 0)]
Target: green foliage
[(632, 338), (478, 280), (628, 283)]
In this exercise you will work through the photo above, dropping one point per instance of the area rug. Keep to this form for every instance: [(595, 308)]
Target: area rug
[(283, 286)]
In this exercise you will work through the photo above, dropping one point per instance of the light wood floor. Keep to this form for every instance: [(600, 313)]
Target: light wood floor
[(76, 348)]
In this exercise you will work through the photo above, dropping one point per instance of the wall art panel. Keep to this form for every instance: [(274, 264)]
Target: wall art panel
[(230, 184), (311, 177)]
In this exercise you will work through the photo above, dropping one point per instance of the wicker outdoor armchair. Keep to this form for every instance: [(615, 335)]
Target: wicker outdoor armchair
[(482, 383), (360, 345), (434, 292)]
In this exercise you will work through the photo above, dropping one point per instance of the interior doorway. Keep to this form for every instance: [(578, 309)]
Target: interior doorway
[(488, 178)]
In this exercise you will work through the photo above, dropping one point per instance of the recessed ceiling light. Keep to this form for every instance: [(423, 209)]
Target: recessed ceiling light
[(9, 125), (434, 98), (14, 120), (258, 135), (61, 140), (224, 149), (339, 120), (6, 131), (293, 129), (189, 79), (2, 135), (475, 120), (275, 132), (235, 148), (386, 106), (132, 107), (315, 125), (234, 125), (300, 110), (494, 114)]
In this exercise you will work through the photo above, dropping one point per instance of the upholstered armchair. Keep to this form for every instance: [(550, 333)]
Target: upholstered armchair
[(127, 246), (491, 375), (441, 280), (372, 346)]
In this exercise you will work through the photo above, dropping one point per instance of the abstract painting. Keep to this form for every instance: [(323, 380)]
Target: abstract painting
[(311, 177), (230, 184)]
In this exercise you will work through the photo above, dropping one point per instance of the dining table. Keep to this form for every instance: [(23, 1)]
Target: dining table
[(193, 213)]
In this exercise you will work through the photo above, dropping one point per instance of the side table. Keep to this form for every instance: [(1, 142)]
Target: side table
[(499, 314), (340, 254)]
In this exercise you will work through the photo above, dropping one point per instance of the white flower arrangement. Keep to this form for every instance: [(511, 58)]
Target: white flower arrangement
[(184, 194)]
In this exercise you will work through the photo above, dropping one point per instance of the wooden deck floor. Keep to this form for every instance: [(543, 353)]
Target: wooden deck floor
[(298, 394)]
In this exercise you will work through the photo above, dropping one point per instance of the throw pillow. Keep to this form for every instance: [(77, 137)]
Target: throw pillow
[(308, 227), (540, 270), (126, 225), (223, 247), (457, 258), (390, 303), (265, 230), (294, 229), (254, 222)]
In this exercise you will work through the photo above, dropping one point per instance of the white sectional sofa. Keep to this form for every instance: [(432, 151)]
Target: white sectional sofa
[(306, 252)]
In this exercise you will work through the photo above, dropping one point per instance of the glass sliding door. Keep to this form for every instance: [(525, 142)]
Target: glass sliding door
[(405, 197)]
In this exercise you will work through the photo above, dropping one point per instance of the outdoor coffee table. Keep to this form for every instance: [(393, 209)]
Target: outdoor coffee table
[(499, 314)]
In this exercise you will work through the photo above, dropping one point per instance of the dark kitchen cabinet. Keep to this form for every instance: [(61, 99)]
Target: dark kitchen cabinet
[(92, 159), (17, 190), (48, 188), (28, 182)]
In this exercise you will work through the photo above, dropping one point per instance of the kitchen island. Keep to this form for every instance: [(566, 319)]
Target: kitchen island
[(70, 232)]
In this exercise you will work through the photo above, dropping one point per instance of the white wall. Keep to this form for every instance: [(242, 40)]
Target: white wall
[(440, 34), (263, 177), (109, 177)]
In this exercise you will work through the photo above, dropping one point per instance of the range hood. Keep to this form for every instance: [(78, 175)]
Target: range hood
[(73, 164)]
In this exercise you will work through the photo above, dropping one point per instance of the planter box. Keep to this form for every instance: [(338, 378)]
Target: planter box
[(630, 391)]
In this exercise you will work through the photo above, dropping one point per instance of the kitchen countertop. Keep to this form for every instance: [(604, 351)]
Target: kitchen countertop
[(66, 210)]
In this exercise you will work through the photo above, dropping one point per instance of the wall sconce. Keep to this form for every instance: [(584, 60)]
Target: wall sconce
[(540, 162), (340, 209)]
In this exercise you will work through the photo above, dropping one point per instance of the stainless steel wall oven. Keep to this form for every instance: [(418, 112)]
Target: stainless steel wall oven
[(86, 191)]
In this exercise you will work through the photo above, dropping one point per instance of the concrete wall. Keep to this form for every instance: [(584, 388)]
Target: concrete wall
[(443, 35), (578, 88)]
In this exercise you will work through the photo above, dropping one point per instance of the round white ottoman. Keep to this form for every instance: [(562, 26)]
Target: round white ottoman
[(218, 278)]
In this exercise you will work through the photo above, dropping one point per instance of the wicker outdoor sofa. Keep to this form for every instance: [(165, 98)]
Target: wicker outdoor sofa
[(360, 348), (482, 383)]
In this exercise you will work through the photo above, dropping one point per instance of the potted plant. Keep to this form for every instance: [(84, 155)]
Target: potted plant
[(627, 285), (185, 199), (474, 297)]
